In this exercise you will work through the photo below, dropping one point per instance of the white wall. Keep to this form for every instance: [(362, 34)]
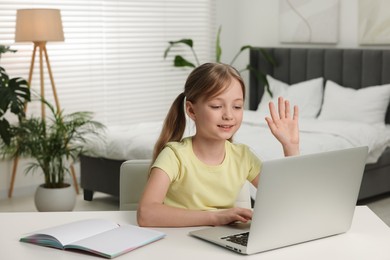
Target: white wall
[(255, 22)]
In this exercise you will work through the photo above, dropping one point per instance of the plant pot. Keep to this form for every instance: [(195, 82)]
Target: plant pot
[(55, 199)]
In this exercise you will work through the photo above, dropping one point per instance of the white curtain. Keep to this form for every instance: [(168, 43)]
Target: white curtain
[(111, 62)]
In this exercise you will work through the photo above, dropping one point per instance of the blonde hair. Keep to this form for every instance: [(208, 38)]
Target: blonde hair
[(204, 83)]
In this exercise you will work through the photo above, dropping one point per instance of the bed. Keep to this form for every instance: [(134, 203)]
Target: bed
[(300, 74)]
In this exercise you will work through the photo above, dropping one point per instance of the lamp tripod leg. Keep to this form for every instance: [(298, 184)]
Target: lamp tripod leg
[(16, 159), (75, 183), (53, 86), (14, 168)]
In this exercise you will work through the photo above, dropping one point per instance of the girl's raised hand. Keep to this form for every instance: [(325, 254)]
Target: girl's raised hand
[(284, 126)]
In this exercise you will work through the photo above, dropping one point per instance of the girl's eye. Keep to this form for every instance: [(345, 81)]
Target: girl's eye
[(237, 107), (215, 106)]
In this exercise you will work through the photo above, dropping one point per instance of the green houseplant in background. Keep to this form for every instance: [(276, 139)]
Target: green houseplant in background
[(53, 143), (180, 61)]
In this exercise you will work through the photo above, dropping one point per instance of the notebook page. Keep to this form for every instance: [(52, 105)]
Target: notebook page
[(75, 231), (121, 240)]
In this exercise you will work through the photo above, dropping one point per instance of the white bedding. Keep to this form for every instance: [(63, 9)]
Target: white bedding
[(137, 141), (315, 136)]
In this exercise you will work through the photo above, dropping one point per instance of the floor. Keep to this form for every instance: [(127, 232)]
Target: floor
[(100, 201), (380, 205)]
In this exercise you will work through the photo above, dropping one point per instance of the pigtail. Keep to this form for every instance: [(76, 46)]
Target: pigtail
[(173, 127)]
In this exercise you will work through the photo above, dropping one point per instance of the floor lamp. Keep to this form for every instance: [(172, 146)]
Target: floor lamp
[(39, 26)]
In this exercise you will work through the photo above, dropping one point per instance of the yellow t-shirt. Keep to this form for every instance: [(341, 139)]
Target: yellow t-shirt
[(197, 186)]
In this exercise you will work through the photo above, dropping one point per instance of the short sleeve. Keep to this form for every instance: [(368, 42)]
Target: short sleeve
[(255, 168), (168, 162)]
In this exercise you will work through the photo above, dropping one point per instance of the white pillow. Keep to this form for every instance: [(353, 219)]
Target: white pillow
[(307, 95), (367, 105)]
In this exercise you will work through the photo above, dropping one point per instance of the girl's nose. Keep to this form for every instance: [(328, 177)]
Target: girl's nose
[(227, 115)]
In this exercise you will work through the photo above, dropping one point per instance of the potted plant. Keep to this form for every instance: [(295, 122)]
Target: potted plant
[(53, 143), (180, 61)]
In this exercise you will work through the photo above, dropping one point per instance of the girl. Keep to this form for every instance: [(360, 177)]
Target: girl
[(195, 180)]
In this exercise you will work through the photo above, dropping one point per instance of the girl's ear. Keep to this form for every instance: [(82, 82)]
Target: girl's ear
[(190, 110)]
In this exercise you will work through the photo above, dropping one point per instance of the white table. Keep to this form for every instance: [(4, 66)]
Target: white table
[(368, 238)]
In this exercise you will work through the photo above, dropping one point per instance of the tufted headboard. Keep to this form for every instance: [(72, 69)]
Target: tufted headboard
[(353, 68)]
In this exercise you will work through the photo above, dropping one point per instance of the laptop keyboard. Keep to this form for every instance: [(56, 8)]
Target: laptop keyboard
[(241, 239)]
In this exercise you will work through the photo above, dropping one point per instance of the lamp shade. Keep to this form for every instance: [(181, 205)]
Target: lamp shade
[(38, 25)]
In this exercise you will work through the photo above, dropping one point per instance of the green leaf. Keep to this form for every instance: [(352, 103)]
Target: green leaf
[(4, 49), (167, 51), (181, 62), (187, 42), (18, 94), (262, 77), (268, 57), (3, 75), (5, 132), (218, 49), (243, 48), (239, 52), (14, 93)]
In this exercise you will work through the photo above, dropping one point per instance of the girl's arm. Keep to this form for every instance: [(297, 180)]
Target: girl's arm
[(255, 181), (153, 212), (284, 126)]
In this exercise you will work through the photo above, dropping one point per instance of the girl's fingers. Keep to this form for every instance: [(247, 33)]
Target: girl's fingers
[(284, 110), (296, 113), (287, 105), (282, 107), (272, 111)]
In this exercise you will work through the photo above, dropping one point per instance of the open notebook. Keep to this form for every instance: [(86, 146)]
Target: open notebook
[(97, 236)]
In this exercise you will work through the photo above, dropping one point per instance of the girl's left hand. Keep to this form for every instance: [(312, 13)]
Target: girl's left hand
[(284, 126)]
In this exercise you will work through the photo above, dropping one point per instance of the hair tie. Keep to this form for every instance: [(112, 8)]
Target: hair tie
[(182, 95)]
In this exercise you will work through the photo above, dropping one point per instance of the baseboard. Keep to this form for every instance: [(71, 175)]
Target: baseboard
[(19, 191), (23, 191)]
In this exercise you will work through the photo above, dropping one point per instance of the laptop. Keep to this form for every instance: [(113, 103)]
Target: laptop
[(299, 198)]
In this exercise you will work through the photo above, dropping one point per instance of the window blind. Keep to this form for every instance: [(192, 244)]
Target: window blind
[(111, 62)]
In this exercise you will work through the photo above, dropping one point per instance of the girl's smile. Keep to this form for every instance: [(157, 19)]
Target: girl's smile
[(226, 128)]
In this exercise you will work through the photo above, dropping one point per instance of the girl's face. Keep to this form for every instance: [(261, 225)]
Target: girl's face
[(220, 117)]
